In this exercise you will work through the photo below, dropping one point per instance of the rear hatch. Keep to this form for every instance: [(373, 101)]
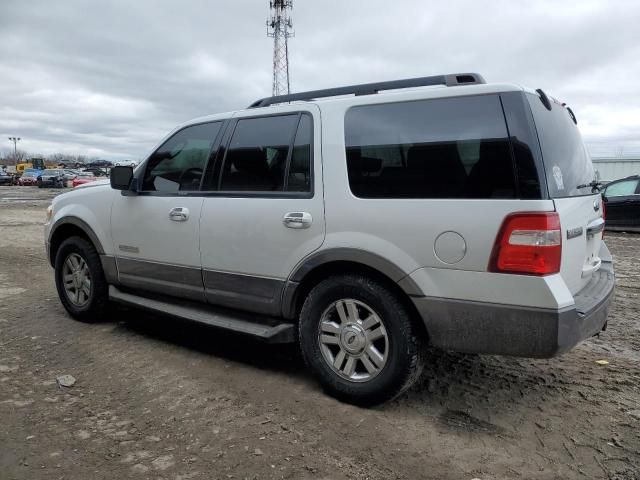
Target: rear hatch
[(569, 172)]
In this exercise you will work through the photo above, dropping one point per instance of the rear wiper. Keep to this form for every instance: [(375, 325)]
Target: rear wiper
[(595, 185)]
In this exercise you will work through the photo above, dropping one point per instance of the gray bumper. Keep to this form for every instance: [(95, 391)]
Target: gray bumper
[(475, 327)]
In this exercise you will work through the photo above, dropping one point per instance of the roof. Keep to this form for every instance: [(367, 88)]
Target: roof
[(439, 86)]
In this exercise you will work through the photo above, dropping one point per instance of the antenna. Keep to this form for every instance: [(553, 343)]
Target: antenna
[(280, 27)]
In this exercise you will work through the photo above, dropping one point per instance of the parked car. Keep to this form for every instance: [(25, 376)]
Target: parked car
[(69, 164), (5, 178), (622, 204), (363, 227), (100, 164), (125, 163), (52, 178), (69, 174), (83, 178), (28, 178), (98, 172)]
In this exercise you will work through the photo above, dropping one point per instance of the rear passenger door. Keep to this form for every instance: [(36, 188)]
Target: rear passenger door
[(264, 208)]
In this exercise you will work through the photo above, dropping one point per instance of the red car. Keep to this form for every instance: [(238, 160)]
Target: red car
[(28, 178), (82, 179)]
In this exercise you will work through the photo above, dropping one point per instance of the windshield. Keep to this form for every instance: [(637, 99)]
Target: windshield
[(566, 161), (52, 172), (29, 174)]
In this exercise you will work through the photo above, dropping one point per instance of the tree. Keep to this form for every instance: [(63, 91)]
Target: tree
[(18, 156)]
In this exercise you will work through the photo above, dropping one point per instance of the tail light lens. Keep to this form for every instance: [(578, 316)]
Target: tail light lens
[(528, 243)]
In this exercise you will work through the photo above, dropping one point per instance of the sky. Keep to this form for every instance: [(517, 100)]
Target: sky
[(109, 79)]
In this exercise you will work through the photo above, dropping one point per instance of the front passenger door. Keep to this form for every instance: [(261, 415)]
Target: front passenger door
[(156, 231)]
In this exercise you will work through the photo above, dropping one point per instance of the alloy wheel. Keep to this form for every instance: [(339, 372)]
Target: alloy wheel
[(353, 340), (76, 280)]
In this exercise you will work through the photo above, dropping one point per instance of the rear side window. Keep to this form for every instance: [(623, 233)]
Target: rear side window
[(567, 164), (269, 154), (443, 148)]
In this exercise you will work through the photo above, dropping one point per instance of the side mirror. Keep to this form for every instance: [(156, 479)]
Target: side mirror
[(121, 178)]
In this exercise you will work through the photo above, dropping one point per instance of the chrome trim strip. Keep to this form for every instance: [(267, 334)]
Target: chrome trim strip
[(128, 249), (574, 233)]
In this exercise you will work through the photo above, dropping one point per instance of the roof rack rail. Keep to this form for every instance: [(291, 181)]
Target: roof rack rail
[(449, 80)]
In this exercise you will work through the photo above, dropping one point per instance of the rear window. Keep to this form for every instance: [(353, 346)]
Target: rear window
[(442, 148), (566, 161)]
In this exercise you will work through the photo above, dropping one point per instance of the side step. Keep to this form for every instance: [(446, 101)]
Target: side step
[(271, 332)]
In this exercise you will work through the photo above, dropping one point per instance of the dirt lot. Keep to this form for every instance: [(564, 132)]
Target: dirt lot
[(157, 398)]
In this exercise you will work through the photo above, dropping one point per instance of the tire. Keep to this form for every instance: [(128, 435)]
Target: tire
[(92, 303), (357, 382)]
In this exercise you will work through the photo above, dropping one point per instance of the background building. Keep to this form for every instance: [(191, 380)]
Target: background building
[(613, 168)]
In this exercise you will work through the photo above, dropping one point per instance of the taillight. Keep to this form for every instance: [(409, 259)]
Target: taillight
[(528, 243)]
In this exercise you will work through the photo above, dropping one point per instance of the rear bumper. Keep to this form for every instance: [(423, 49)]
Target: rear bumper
[(477, 327)]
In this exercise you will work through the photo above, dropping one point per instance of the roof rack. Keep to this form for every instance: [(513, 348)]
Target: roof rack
[(449, 80)]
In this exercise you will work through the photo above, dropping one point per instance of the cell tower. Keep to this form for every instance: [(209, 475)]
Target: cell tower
[(280, 27)]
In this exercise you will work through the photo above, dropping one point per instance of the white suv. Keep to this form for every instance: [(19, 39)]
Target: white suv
[(363, 225)]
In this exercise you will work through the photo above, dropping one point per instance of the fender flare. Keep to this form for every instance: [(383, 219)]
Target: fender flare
[(82, 225), (347, 254)]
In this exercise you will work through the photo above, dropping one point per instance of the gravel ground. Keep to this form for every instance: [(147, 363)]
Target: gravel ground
[(163, 399)]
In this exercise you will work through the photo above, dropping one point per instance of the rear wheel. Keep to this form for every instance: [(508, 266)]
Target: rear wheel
[(80, 280), (358, 339)]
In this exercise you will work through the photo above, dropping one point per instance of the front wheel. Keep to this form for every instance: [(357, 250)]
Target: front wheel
[(358, 339), (80, 280)]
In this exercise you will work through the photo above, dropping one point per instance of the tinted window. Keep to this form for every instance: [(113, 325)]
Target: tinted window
[(621, 189), (566, 161), (299, 179), (444, 148), (256, 158), (179, 163), (524, 144)]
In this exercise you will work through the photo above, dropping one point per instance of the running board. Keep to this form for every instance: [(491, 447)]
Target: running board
[(235, 322)]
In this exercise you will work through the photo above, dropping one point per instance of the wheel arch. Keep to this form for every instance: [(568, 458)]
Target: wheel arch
[(67, 227), (344, 261)]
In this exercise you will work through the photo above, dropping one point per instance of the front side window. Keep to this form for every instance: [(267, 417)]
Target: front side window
[(259, 157), (443, 148), (179, 163), (621, 189)]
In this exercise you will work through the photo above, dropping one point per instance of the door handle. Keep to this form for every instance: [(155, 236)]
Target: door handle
[(297, 220), (595, 227), (179, 214)]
